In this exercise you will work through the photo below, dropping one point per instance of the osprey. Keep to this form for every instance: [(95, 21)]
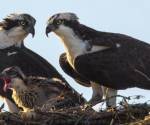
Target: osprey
[(32, 92), (114, 60), (13, 30), (82, 59)]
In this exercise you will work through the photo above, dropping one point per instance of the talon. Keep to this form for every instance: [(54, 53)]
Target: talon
[(111, 109), (86, 106)]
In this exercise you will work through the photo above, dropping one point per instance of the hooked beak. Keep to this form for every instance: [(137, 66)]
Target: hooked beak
[(31, 30), (49, 28)]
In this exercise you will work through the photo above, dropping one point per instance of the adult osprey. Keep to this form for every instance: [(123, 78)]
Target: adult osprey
[(82, 59), (111, 59), (13, 30)]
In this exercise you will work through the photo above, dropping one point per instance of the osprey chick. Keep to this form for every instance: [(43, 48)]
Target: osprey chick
[(30, 93)]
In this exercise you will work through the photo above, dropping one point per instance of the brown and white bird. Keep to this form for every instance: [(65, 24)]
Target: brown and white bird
[(114, 60), (31, 93), (13, 30), (81, 43)]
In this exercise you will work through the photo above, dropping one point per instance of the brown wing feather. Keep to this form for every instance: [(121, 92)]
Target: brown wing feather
[(115, 68), (50, 87), (71, 72)]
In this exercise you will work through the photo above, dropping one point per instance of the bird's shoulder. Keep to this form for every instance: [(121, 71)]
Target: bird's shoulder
[(71, 72), (102, 38), (114, 39)]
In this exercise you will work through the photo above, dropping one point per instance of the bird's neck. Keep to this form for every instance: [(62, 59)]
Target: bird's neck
[(74, 46), (7, 40), (20, 90), (17, 96)]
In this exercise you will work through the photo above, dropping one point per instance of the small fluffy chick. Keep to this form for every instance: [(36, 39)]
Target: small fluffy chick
[(30, 93)]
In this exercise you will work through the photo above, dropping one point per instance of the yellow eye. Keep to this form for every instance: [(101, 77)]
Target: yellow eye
[(59, 22), (23, 23)]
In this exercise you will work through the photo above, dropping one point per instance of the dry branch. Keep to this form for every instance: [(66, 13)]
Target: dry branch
[(134, 115)]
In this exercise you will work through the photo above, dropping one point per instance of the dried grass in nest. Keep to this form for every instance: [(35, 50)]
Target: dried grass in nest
[(78, 115)]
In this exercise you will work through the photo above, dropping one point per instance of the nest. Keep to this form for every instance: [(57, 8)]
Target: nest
[(67, 111)]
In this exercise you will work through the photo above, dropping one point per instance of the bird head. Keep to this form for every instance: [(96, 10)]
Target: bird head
[(12, 78), (3, 82), (61, 22), (16, 27), (7, 94)]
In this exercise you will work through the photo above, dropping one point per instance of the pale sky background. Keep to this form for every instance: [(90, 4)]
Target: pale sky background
[(131, 17)]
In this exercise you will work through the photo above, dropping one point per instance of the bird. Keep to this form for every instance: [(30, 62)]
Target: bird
[(83, 59), (13, 30), (32, 92)]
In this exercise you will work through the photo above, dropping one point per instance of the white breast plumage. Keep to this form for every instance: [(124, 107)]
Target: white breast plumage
[(74, 46)]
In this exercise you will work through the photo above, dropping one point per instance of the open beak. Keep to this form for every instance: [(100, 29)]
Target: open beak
[(6, 81), (49, 28), (7, 84)]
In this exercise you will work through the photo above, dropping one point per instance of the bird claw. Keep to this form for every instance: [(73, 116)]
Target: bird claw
[(28, 115), (87, 106), (93, 101)]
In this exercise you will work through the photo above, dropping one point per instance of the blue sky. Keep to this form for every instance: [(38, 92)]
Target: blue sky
[(123, 16)]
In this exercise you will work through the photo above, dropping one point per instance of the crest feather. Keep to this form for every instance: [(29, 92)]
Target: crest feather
[(67, 16)]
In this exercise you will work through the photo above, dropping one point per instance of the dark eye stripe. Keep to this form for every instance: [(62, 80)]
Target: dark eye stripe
[(8, 24)]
